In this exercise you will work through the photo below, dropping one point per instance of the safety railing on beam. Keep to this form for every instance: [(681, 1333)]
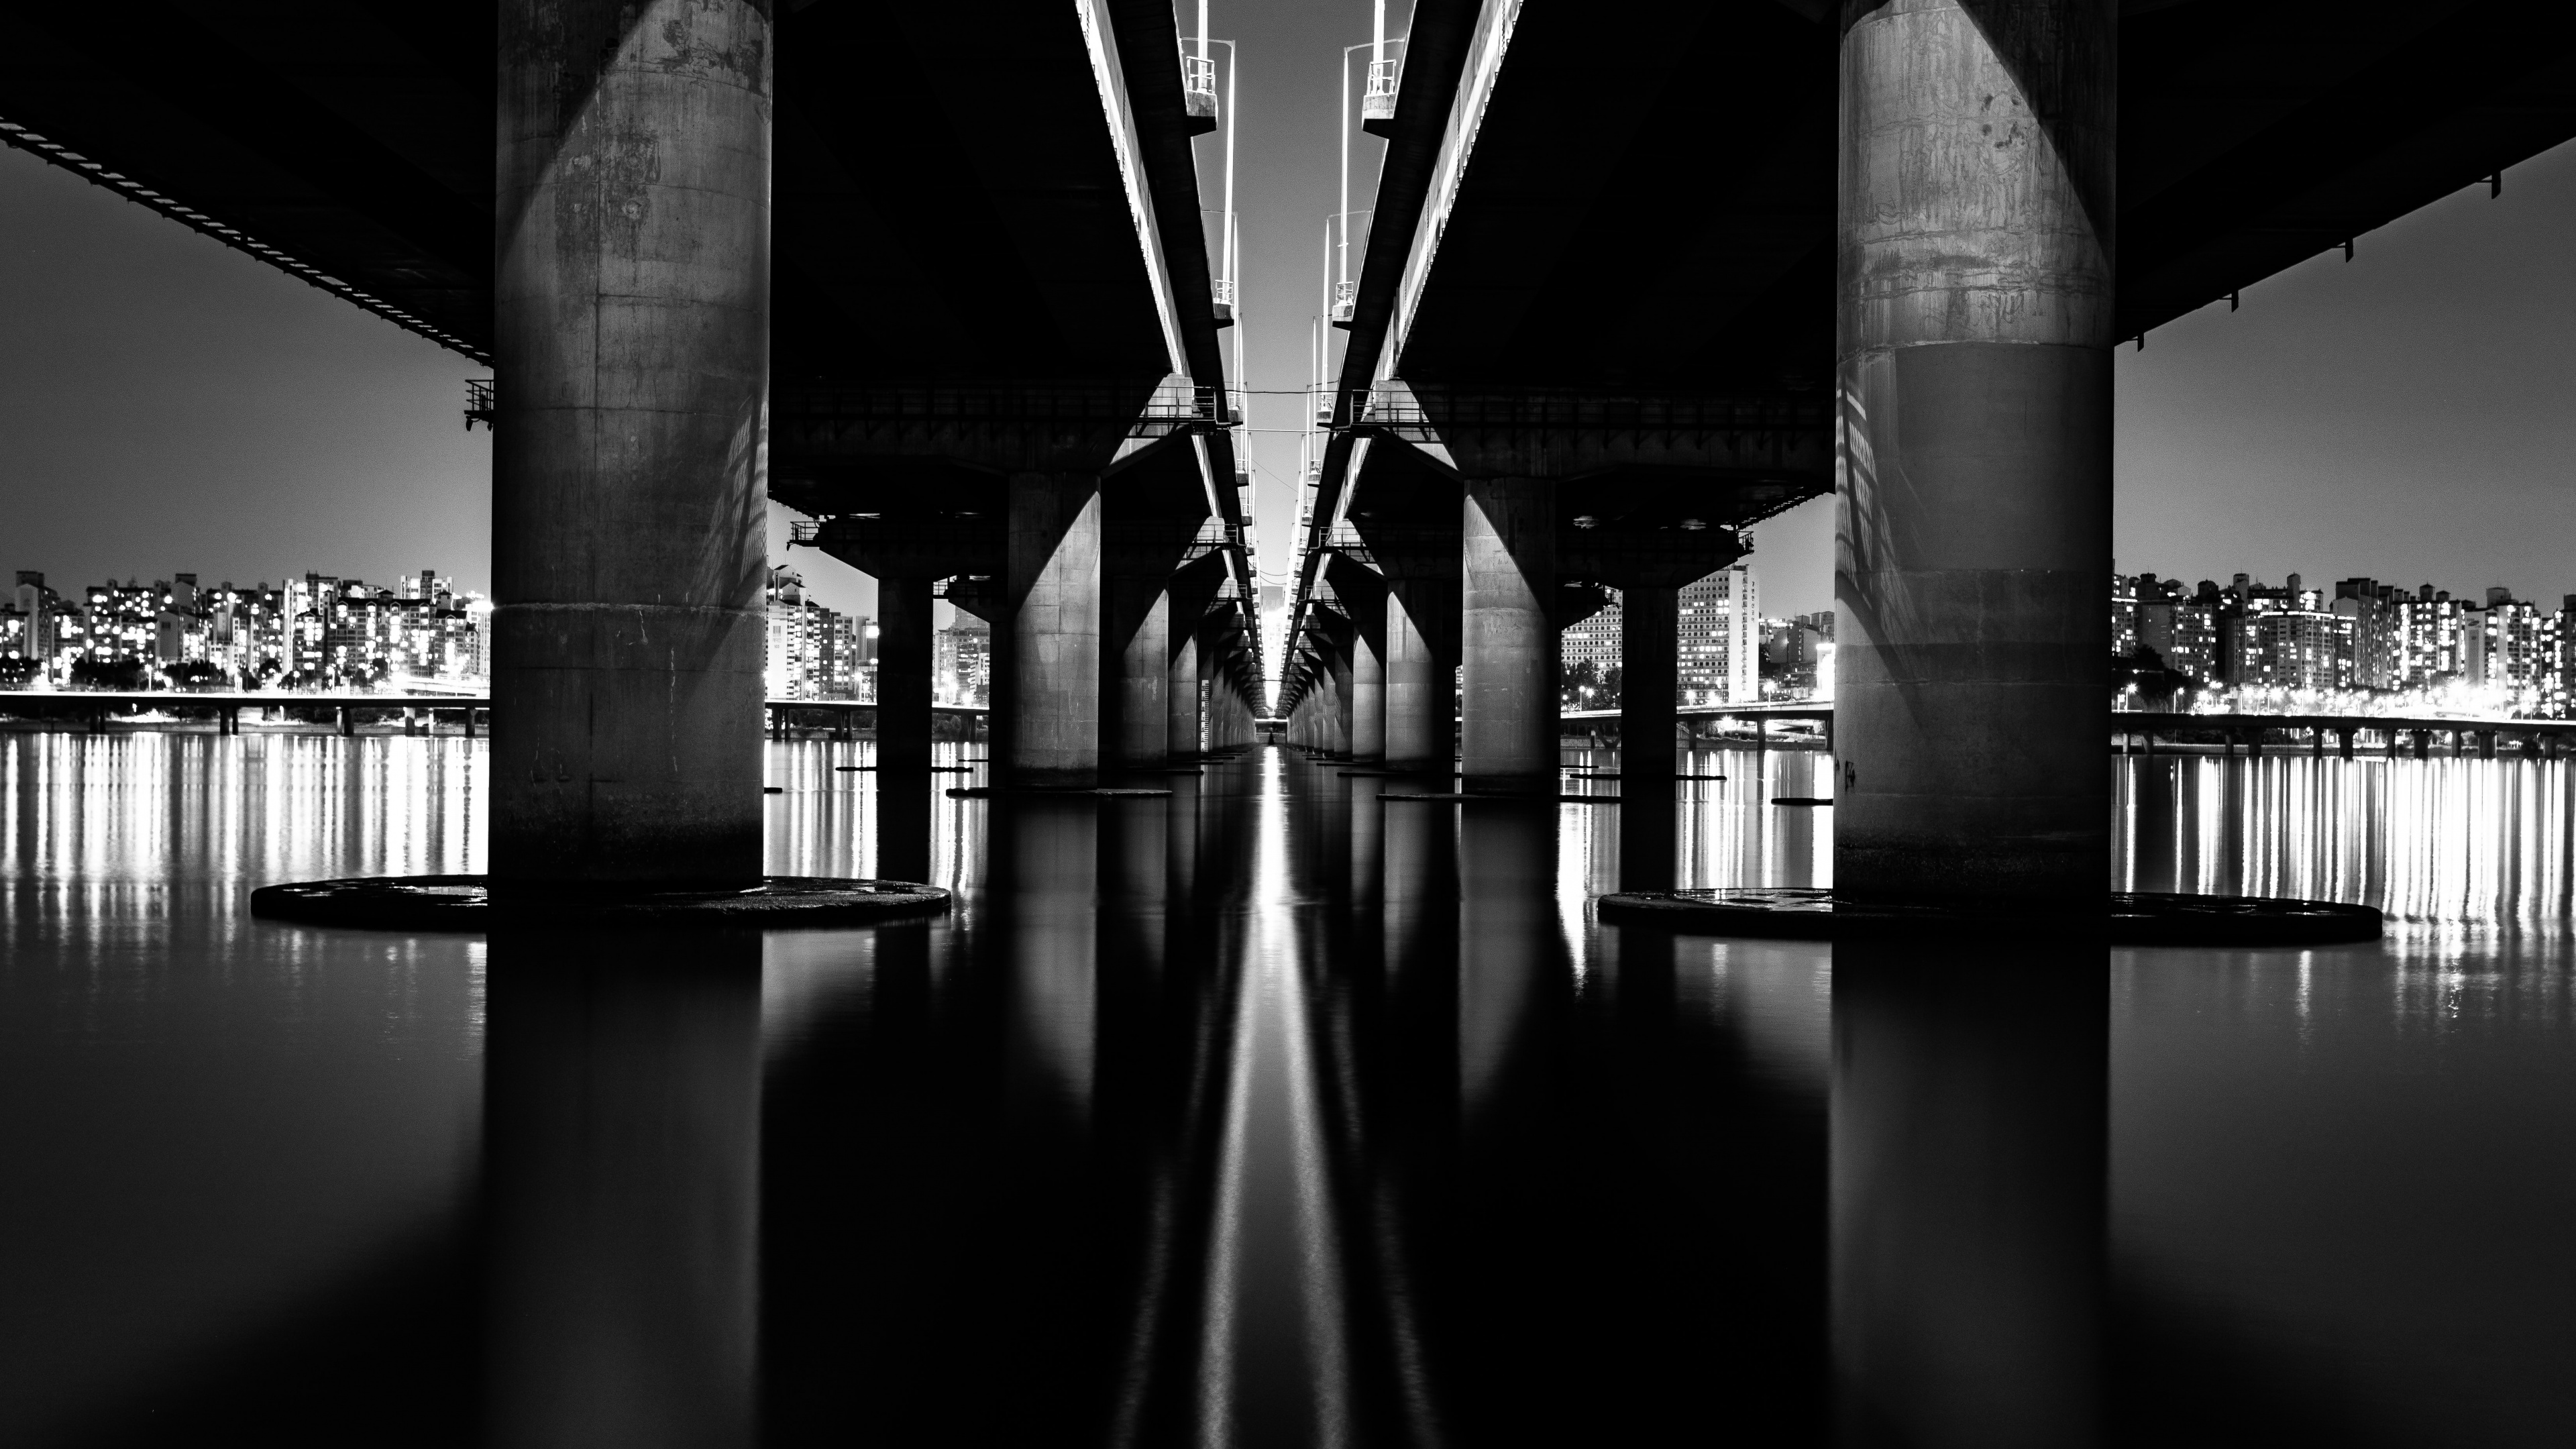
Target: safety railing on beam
[(1198, 86), (1428, 416), (1180, 405), (1377, 102)]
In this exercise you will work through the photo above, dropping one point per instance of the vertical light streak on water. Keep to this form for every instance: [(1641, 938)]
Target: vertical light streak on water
[(2553, 900), (1820, 853), (11, 780), (2210, 819), (1573, 879), (2459, 866), (2124, 816), (1273, 1130)]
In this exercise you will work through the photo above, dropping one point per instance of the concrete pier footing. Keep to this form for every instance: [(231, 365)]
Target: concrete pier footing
[(1974, 451), (1046, 648), (631, 357)]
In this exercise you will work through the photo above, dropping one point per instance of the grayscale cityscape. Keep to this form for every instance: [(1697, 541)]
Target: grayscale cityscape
[(1332, 724)]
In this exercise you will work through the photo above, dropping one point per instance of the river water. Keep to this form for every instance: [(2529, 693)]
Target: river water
[(1273, 1112)]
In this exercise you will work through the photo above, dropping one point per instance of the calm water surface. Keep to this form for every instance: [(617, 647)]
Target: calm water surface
[(1272, 1113)]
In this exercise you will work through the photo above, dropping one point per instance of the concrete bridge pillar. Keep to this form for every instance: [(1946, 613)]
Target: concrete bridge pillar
[(1368, 698), (1141, 656), (904, 653), (1508, 645), (1649, 690), (1974, 450), (631, 312), (1181, 696), (1046, 647), (1337, 663), (1421, 677)]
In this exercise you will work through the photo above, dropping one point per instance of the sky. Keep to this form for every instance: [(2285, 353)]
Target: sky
[(168, 405)]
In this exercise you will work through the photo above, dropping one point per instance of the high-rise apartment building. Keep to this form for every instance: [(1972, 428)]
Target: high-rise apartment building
[(2511, 647), (812, 651), (1593, 641), (1721, 639), (961, 662), (319, 631)]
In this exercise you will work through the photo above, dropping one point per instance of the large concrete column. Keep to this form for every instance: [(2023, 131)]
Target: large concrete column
[(904, 669), (1508, 646), (904, 652), (1181, 697), (1649, 689), (1337, 718), (629, 544), (1368, 700), (1144, 663), (1421, 687), (1975, 450), (1219, 722), (1046, 666)]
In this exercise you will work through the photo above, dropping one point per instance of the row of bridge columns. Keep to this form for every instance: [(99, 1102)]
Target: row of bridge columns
[(1973, 473), (1975, 323), (632, 321)]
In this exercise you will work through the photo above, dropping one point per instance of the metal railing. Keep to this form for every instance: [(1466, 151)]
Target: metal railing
[(479, 407), (1198, 84), (1377, 102), (1178, 403)]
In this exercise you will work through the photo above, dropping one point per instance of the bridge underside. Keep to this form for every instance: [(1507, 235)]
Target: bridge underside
[(985, 333), (1691, 233)]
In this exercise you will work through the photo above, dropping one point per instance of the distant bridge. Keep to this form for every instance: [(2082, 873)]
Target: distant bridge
[(2536, 738), (100, 704)]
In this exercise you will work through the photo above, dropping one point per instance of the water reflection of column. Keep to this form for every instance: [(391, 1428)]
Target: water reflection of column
[(1969, 1099), (1368, 828), (1420, 872), (1048, 890), (622, 1182), (1181, 840), (1136, 879), (1507, 934)]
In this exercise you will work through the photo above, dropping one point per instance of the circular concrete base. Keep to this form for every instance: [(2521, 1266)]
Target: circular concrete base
[(465, 903), (2130, 919)]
